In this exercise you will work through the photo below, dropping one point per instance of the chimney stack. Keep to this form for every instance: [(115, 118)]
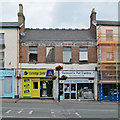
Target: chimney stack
[(93, 22), (21, 17)]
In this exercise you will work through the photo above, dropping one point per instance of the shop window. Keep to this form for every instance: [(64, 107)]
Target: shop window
[(33, 54), (1, 59), (109, 35), (46, 88), (35, 85), (67, 55), (83, 54), (8, 84), (85, 91), (50, 54)]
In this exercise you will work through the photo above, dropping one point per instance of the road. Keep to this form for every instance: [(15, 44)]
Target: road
[(59, 110)]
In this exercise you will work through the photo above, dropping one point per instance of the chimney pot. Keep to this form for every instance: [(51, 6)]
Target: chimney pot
[(93, 10)]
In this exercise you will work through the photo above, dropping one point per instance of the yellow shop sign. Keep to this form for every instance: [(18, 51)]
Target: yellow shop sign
[(34, 73)]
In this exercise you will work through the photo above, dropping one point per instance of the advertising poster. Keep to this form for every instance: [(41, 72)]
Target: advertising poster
[(26, 87)]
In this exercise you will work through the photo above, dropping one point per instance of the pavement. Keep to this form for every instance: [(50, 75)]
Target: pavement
[(9, 100)]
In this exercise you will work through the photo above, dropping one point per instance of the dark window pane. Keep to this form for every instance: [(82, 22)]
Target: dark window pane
[(105, 91), (66, 95), (33, 53), (35, 85), (73, 96)]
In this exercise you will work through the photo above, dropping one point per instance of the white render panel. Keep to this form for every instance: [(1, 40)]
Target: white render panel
[(10, 50), (65, 66)]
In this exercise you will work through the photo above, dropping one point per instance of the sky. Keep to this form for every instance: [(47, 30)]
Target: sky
[(58, 14)]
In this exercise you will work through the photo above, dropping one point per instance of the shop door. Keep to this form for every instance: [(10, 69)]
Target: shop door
[(35, 88), (1, 86), (7, 88), (73, 91), (70, 91)]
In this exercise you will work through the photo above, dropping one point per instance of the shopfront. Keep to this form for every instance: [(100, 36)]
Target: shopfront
[(79, 85), (37, 84), (109, 92), (7, 83)]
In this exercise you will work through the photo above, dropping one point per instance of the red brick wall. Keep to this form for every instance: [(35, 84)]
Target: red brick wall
[(41, 54), (93, 27), (92, 54), (75, 55), (58, 54), (24, 54)]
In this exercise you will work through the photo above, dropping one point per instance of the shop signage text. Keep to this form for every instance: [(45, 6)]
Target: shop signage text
[(76, 81), (77, 73), (6, 72), (38, 73)]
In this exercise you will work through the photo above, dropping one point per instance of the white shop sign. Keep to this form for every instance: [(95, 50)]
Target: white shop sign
[(77, 73), (76, 81)]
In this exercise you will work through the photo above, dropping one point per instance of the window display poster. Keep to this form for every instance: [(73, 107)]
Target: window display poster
[(26, 87), (44, 91)]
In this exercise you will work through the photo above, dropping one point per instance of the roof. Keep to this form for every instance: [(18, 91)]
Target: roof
[(109, 23), (9, 25), (57, 35)]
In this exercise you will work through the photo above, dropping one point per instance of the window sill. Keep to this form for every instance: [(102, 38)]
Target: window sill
[(67, 63), (33, 62), (83, 62)]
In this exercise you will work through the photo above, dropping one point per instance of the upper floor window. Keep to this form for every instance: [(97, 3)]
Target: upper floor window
[(1, 36), (109, 35), (67, 55), (1, 59), (33, 53), (50, 54), (83, 54), (2, 42), (109, 56)]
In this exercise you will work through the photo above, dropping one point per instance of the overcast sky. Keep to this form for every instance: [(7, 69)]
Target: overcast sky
[(58, 14)]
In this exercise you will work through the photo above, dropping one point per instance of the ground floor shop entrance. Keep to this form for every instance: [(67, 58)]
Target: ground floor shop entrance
[(37, 84), (7, 83), (76, 90), (38, 88), (108, 92)]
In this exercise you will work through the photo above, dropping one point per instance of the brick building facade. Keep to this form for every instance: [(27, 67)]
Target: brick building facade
[(41, 50)]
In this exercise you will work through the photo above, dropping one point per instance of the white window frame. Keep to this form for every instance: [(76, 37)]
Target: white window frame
[(83, 54), (66, 54)]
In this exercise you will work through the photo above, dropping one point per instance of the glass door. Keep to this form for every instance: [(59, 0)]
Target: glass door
[(67, 91), (73, 91), (70, 91)]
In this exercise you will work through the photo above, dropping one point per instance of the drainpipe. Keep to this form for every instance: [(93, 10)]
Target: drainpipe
[(17, 62)]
